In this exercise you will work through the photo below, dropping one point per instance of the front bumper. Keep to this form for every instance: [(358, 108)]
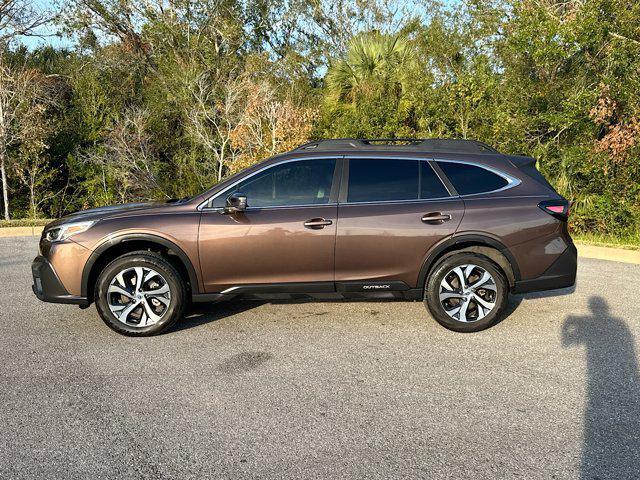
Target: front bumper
[(48, 287), (561, 274)]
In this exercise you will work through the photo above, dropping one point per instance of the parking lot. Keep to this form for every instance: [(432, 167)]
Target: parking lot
[(324, 390)]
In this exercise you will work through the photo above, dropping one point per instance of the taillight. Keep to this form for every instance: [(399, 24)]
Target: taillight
[(556, 208)]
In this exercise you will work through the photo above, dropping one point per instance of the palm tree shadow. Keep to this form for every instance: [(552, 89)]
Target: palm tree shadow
[(611, 444)]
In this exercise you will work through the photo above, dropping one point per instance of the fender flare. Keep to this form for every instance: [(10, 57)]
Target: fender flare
[(460, 240), (103, 247)]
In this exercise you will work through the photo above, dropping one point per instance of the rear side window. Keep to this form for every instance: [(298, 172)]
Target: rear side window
[(383, 180), (430, 184), (469, 179)]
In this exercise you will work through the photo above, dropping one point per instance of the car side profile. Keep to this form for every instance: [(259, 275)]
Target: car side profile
[(451, 222)]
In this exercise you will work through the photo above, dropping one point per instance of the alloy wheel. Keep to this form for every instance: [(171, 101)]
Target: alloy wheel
[(138, 296), (468, 293)]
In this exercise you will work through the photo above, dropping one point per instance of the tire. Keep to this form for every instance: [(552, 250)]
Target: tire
[(472, 298), (161, 297)]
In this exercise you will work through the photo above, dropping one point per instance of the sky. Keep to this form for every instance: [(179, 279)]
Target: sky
[(48, 33)]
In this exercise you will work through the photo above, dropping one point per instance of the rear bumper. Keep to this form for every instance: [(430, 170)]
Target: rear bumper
[(48, 287), (561, 274)]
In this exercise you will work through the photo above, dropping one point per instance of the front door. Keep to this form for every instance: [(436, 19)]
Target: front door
[(285, 236), (392, 212)]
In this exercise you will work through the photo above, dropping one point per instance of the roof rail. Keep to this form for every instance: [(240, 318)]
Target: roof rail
[(436, 145)]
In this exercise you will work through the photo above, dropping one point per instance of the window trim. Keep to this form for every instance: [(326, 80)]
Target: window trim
[(344, 186), (511, 180), (204, 206), (341, 181)]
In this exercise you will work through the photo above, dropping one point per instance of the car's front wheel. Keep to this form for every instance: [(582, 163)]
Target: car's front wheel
[(466, 292), (140, 294)]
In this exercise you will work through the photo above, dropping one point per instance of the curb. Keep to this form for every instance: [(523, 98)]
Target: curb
[(584, 250), (20, 231), (608, 253)]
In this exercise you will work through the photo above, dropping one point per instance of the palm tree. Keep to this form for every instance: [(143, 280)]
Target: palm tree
[(374, 60)]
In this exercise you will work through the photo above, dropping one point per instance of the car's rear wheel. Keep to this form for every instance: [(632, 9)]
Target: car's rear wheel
[(466, 292), (140, 294)]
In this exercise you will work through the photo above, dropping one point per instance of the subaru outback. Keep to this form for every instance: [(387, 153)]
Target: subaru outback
[(454, 223)]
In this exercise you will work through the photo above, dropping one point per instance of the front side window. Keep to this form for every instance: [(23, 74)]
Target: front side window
[(303, 182), (383, 180), (469, 179)]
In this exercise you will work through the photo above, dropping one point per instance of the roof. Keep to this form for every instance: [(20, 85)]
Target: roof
[(435, 145)]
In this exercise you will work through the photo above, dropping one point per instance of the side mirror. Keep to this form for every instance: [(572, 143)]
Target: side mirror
[(236, 203)]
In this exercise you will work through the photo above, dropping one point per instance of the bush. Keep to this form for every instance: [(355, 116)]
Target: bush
[(25, 222), (606, 216)]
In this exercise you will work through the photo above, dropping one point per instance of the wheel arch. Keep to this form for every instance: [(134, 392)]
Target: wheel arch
[(476, 243), (113, 248)]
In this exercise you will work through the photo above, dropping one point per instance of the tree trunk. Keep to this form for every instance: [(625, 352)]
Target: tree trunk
[(221, 162), (32, 199), (5, 187)]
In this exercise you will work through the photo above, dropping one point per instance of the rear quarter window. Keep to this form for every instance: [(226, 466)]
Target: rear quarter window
[(469, 179)]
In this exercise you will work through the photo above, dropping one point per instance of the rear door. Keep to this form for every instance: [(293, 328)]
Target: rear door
[(391, 212)]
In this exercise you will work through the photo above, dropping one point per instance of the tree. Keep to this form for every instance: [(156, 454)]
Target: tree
[(19, 18), (166, 98), (33, 171), (569, 95), (128, 159), (366, 92), (317, 31), (269, 125), (21, 104), (212, 115), (371, 59)]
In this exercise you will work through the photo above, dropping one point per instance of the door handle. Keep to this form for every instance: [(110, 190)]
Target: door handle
[(317, 223), (436, 218)]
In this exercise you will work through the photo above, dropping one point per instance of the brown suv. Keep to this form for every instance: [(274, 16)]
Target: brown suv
[(452, 222)]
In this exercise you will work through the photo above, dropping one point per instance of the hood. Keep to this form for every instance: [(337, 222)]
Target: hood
[(106, 212)]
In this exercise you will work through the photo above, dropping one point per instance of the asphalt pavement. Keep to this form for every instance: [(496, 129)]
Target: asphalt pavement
[(357, 389)]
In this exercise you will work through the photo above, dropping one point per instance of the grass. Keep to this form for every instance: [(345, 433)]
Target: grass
[(25, 222), (603, 240)]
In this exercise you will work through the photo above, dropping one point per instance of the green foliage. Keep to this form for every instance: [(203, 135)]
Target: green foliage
[(366, 93), (155, 110), (605, 240), (25, 222)]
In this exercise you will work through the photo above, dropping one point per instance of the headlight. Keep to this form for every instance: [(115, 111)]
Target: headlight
[(62, 232)]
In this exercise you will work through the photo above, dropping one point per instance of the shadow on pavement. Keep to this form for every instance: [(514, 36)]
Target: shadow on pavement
[(551, 293), (611, 445), (201, 313)]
